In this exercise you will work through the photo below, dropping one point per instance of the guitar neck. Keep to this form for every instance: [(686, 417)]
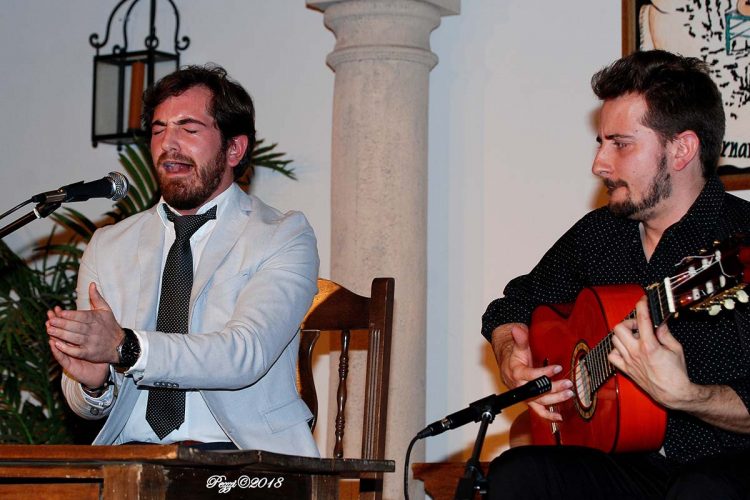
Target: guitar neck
[(706, 282), (596, 360), (660, 305)]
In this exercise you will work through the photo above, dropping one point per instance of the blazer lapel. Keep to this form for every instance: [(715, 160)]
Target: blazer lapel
[(150, 251), (228, 229)]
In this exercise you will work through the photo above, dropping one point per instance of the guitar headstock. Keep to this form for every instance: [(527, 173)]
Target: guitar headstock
[(712, 280)]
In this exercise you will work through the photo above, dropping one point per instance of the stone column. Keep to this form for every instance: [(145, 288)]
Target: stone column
[(382, 62)]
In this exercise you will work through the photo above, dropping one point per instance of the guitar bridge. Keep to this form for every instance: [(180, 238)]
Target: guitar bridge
[(554, 427)]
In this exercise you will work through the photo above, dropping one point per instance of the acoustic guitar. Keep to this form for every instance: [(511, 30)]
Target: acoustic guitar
[(743, 7), (608, 411)]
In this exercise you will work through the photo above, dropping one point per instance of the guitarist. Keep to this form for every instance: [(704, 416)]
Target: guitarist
[(660, 136)]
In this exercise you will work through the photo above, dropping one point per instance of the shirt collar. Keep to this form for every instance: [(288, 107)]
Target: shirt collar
[(219, 202)]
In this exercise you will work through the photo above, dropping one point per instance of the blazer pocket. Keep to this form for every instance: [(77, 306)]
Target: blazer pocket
[(231, 285), (287, 415)]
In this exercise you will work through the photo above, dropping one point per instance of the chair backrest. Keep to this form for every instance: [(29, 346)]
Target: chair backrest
[(336, 310)]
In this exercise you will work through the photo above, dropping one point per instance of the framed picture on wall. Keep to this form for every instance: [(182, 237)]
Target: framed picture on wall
[(718, 32)]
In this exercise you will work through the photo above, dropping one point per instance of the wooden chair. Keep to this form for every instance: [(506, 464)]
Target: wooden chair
[(336, 310)]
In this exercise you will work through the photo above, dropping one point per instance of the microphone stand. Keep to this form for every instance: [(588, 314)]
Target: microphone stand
[(41, 210), (473, 478), (485, 410)]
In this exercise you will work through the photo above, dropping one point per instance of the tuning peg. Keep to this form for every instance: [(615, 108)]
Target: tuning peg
[(714, 310), (729, 304), (743, 297)]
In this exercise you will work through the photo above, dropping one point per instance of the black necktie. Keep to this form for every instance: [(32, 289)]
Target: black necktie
[(166, 407)]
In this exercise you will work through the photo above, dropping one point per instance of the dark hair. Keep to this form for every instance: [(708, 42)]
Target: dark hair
[(231, 106), (679, 93)]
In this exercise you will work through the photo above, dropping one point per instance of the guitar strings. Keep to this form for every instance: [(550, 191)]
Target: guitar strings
[(593, 369)]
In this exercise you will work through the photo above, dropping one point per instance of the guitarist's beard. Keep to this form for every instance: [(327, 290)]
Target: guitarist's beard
[(660, 189)]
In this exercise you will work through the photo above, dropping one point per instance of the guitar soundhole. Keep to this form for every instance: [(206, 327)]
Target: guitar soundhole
[(585, 396)]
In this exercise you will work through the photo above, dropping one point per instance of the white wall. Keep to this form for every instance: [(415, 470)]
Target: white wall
[(511, 141)]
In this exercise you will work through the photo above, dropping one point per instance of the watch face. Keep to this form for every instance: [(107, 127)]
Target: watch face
[(130, 349)]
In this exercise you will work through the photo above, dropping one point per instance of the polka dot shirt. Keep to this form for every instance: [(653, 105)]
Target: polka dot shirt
[(601, 249)]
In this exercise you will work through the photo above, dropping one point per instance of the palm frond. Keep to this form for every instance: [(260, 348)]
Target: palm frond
[(264, 156)]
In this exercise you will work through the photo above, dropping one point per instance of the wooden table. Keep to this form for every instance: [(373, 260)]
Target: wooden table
[(165, 472)]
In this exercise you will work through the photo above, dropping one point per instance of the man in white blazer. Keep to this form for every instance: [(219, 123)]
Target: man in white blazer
[(255, 272)]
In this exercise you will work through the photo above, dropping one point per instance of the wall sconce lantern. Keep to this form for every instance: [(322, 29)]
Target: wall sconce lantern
[(121, 77)]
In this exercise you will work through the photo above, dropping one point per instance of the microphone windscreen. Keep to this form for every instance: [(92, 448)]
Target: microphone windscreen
[(119, 185)]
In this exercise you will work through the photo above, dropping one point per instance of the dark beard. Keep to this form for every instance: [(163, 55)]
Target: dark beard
[(190, 193), (660, 189)]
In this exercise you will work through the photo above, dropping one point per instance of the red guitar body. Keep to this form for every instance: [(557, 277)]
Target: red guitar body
[(618, 416)]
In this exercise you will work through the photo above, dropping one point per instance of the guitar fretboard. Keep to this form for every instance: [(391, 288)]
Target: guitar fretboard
[(596, 362), (704, 282)]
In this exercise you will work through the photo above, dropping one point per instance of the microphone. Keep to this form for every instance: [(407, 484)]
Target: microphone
[(113, 186), (493, 404)]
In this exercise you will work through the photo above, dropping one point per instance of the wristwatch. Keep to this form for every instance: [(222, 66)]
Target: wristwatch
[(129, 349), (97, 392)]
